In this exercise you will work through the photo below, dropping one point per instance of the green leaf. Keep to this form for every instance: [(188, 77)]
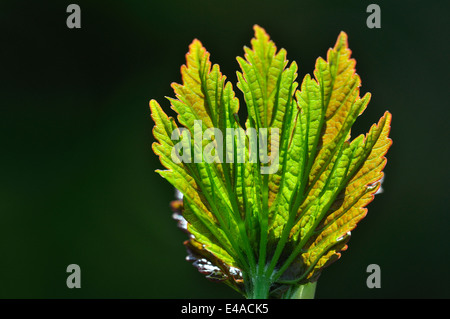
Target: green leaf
[(274, 203)]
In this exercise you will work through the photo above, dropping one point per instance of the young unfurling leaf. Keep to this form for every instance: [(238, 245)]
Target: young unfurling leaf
[(269, 205)]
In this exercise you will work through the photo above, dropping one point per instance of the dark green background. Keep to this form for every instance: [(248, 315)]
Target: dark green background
[(77, 174)]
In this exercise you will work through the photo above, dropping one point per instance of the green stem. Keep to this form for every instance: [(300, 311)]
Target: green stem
[(260, 287), (305, 291)]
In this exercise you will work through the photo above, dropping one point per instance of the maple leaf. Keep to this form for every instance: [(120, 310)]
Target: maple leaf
[(268, 206)]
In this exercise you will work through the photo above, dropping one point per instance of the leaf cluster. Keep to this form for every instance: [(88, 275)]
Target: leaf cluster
[(259, 231)]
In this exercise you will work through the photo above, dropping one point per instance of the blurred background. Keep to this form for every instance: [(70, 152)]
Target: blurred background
[(77, 179)]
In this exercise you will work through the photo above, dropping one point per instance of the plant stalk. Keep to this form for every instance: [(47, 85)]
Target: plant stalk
[(305, 291), (259, 288)]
